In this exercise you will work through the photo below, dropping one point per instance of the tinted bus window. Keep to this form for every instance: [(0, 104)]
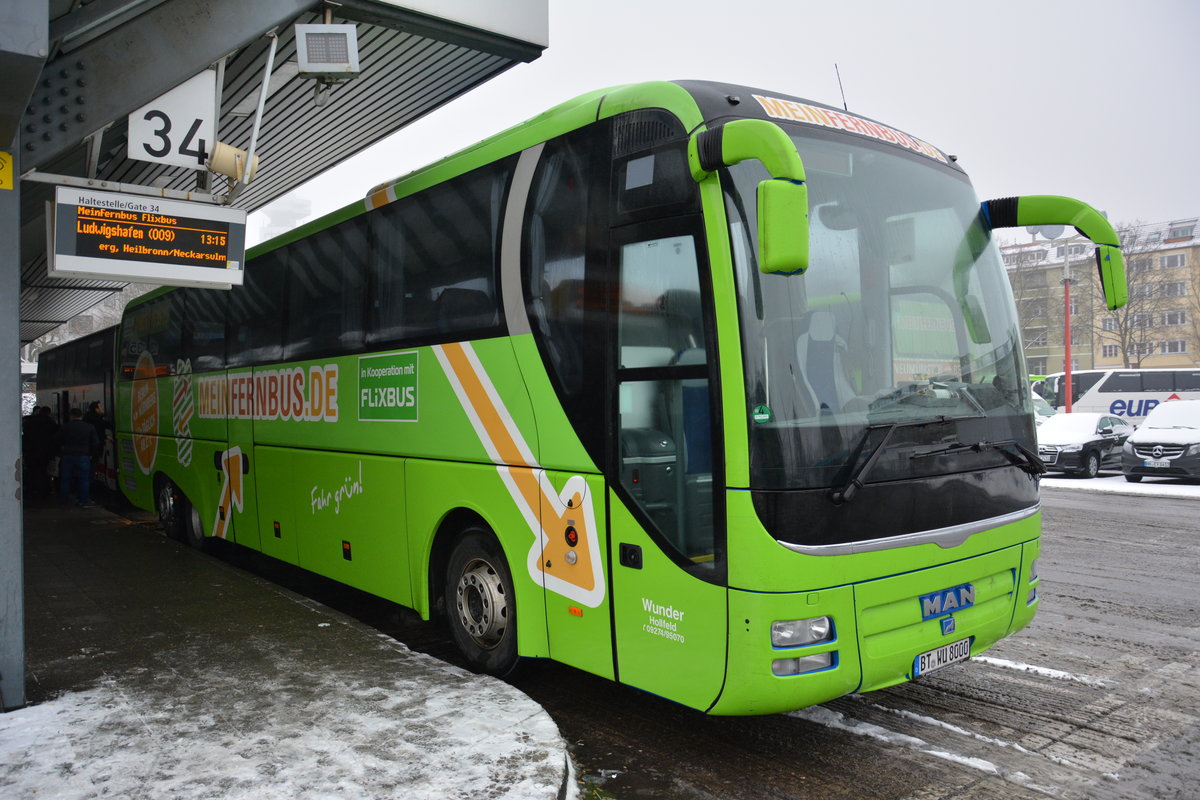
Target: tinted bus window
[(1158, 381), (155, 327), (1121, 382), (1187, 380), (255, 320), (557, 247), (204, 328), (434, 259), (327, 280)]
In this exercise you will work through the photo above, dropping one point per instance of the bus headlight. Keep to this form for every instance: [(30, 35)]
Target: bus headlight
[(799, 632), (796, 666), (1033, 570)]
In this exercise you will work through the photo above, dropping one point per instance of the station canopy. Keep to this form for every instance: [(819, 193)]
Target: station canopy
[(108, 58)]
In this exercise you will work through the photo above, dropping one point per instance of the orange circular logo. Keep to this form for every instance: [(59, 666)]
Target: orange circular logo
[(143, 402)]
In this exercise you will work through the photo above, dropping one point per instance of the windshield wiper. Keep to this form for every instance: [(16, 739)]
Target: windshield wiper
[(845, 493), (1018, 455)]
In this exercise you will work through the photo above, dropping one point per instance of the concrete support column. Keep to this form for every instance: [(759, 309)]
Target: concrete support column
[(12, 559)]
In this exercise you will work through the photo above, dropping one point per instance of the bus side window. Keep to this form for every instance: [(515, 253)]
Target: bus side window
[(1122, 382), (325, 291), (556, 245), (204, 328), (157, 327), (664, 401), (1158, 381), (434, 260), (255, 319)]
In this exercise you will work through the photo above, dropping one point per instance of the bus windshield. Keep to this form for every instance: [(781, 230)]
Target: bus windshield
[(903, 318)]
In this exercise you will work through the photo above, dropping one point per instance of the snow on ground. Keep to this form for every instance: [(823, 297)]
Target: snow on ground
[(1116, 483), (432, 731)]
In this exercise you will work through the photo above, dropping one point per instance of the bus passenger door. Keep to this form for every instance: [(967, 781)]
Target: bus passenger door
[(670, 604)]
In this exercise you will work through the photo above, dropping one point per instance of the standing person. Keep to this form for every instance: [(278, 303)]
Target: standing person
[(78, 441), (40, 435), (95, 418)]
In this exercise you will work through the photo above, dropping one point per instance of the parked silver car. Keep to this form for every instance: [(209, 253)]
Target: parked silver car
[(1167, 445)]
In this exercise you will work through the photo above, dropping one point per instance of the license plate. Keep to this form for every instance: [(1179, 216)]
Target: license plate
[(943, 656), (1160, 463)]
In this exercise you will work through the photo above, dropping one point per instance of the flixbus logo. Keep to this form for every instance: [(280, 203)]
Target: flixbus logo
[(947, 601)]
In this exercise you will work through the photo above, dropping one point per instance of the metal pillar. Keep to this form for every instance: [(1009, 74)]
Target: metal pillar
[(23, 48), (12, 558)]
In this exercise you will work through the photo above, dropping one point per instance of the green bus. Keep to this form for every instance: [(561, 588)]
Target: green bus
[(707, 390)]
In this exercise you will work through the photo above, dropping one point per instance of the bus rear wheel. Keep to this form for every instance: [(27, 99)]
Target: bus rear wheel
[(172, 508), (480, 603)]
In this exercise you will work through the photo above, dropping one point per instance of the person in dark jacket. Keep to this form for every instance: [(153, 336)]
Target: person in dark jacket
[(77, 441), (95, 418), (40, 433)]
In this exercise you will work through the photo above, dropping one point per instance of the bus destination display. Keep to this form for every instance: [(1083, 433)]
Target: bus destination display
[(148, 239)]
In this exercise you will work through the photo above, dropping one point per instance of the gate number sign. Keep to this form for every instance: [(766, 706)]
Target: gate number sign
[(177, 128)]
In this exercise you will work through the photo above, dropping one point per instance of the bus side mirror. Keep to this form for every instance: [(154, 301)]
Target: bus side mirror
[(782, 200), (1013, 212), (782, 241)]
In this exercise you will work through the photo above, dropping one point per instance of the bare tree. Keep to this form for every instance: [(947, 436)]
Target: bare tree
[(1133, 328)]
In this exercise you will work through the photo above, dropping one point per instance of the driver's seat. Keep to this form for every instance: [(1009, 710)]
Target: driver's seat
[(819, 352)]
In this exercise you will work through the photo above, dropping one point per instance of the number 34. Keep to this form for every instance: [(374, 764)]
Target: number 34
[(187, 147)]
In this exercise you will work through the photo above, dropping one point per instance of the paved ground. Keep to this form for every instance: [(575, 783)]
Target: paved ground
[(155, 671)]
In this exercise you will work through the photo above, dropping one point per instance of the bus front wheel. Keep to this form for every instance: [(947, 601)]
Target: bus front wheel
[(480, 603)]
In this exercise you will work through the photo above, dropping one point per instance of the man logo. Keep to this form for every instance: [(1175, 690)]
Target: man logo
[(956, 598)]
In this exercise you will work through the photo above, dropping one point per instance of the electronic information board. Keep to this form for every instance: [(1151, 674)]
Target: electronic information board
[(109, 236)]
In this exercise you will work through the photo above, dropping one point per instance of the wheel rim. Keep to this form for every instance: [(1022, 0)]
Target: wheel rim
[(166, 506), (480, 602), (1093, 465)]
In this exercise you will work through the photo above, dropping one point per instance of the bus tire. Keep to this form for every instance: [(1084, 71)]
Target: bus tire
[(480, 606), (172, 508), (193, 529), (1091, 465)]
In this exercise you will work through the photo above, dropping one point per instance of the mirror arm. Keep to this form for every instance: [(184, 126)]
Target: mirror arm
[(782, 201), (1014, 212), (742, 139)]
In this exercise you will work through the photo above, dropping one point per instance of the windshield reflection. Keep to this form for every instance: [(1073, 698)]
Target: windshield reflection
[(905, 316)]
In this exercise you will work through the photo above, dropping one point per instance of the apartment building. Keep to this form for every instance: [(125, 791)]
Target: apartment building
[(1159, 327)]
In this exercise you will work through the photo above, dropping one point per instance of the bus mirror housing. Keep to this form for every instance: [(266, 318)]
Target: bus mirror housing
[(782, 199), (1013, 212)]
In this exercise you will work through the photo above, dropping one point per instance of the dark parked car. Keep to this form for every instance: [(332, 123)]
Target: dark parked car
[(1167, 445), (1083, 442)]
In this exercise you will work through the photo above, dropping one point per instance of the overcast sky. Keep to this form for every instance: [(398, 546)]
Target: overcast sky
[(1095, 99)]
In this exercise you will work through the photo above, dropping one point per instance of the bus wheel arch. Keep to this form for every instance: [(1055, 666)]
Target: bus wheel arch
[(478, 596)]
